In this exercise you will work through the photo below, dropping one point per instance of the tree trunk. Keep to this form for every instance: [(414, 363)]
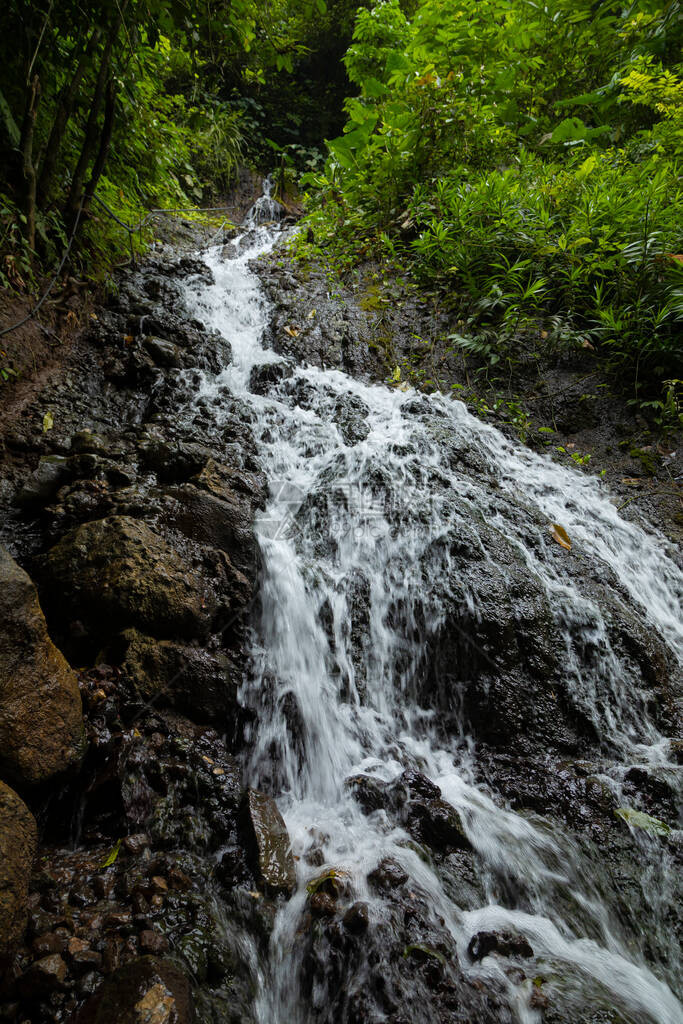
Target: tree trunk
[(91, 134), (62, 115), (105, 140), (27, 158)]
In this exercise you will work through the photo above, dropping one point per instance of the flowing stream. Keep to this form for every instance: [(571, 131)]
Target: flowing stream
[(371, 490)]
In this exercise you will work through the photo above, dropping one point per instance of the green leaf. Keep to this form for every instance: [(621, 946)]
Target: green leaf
[(113, 854), (638, 819), (572, 129), (587, 167)]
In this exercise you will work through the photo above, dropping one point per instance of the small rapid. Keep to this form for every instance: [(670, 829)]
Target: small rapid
[(368, 633)]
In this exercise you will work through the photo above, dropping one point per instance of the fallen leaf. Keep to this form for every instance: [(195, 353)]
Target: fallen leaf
[(637, 819), (112, 855), (559, 534), (48, 422), (292, 332), (312, 314)]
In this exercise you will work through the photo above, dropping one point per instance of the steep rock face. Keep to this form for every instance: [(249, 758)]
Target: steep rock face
[(41, 726), (116, 572), (18, 839)]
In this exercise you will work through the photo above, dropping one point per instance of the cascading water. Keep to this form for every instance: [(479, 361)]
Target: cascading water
[(375, 493)]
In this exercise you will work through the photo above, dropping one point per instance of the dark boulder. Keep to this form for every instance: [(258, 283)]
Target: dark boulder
[(191, 679), (148, 990), (114, 573), (18, 839), (41, 724)]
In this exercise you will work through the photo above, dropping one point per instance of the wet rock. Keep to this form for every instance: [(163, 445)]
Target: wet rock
[(52, 942), (275, 860), (333, 882), (148, 990), (350, 413), (41, 724), (419, 785), (51, 473), (44, 977), (370, 793), (356, 918), (500, 666), (193, 680), (503, 943), (262, 378), (388, 874), (18, 840), (116, 572), (224, 522), (82, 957), (164, 353), (88, 442), (439, 824), (173, 461), (322, 905), (135, 844), (153, 942)]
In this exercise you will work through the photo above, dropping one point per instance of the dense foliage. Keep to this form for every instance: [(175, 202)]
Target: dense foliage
[(524, 156), (521, 156), (146, 103)]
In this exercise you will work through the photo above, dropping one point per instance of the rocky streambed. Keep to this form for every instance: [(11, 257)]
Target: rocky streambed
[(134, 521), (149, 720)]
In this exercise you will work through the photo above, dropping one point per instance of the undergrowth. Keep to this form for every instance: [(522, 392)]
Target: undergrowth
[(524, 160)]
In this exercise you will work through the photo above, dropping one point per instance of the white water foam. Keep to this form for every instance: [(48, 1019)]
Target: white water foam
[(383, 509)]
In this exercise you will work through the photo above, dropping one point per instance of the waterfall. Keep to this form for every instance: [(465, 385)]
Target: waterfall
[(380, 498)]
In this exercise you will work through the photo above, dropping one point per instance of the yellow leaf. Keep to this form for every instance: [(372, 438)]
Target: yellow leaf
[(559, 534), (312, 314), (292, 332), (48, 422), (112, 855)]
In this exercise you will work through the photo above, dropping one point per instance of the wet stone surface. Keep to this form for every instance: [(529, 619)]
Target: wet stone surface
[(161, 870), (134, 516)]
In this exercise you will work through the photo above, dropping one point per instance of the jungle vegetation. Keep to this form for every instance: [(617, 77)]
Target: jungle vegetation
[(522, 157)]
